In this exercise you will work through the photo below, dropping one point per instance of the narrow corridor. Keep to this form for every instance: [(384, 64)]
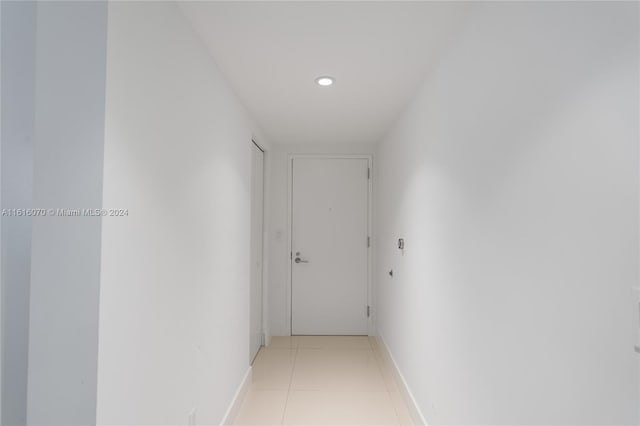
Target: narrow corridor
[(322, 380), (180, 181)]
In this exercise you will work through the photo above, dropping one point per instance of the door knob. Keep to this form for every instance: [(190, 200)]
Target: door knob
[(298, 260)]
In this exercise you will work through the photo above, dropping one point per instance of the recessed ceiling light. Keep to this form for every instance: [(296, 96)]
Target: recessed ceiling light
[(325, 80)]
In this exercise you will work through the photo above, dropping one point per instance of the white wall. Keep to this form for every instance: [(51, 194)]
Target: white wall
[(513, 178), (279, 324), (18, 67), (1, 250), (174, 311), (65, 251)]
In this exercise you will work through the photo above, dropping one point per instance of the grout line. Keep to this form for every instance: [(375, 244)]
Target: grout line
[(338, 391), (293, 368), (381, 363)]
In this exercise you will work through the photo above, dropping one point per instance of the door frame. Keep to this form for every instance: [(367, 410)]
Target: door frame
[(262, 250), (290, 159)]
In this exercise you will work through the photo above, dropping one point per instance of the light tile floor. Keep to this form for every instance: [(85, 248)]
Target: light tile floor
[(322, 380)]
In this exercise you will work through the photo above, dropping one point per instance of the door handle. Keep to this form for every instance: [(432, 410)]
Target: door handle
[(298, 260)]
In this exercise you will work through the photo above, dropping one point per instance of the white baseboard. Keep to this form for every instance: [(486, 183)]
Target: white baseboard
[(232, 411), (407, 396)]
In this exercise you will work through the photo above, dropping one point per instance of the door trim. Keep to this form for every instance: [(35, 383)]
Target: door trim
[(262, 251), (369, 158)]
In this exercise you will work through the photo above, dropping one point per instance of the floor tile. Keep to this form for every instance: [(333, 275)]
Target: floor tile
[(373, 342), (333, 342), (404, 417), (323, 380), (262, 407), (283, 342), (272, 368), (337, 369), (339, 408), (390, 380), (387, 373)]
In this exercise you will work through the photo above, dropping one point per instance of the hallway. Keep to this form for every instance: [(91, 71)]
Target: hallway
[(450, 185), (322, 380)]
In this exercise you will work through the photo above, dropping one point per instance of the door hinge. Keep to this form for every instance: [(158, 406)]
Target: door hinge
[(368, 173), (368, 311), (290, 255), (368, 241)]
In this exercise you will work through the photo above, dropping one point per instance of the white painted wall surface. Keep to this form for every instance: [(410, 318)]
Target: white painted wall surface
[(65, 251), (18, 68), (174, 313), (513, 178), (1, 251), (279, 323)]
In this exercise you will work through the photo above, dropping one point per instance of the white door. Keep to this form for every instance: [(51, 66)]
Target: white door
[(329, 226), (257, 214)]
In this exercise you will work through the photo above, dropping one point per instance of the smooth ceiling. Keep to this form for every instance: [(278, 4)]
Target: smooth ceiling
[(272, 52)]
